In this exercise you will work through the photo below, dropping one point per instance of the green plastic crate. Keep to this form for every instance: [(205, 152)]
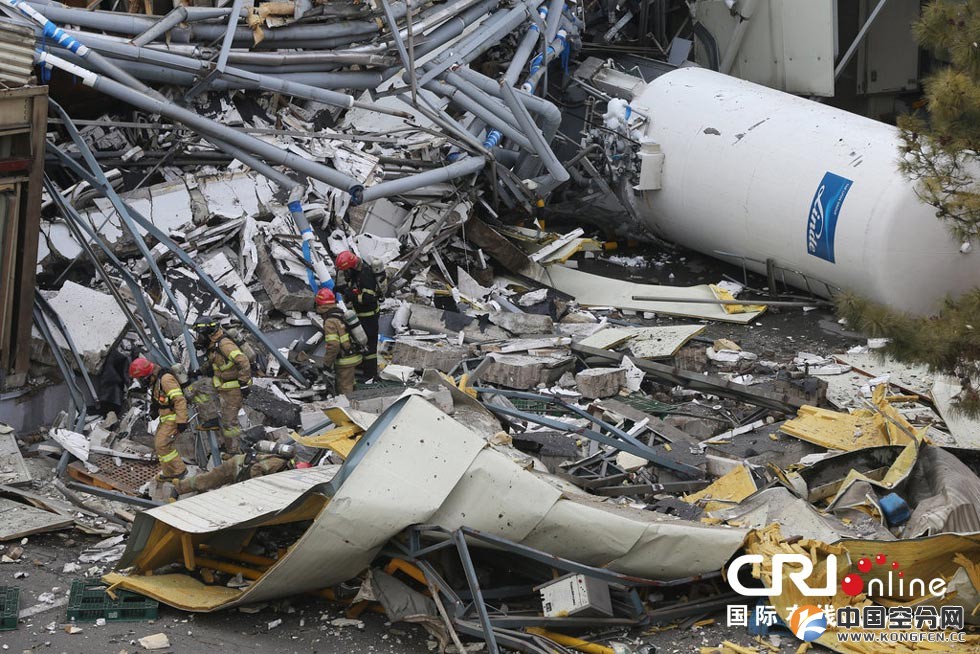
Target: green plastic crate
[(9, 607), (88, 602)]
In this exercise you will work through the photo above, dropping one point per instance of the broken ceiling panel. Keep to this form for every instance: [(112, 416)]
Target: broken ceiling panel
[(93, 320), (594, 291), (644, 342)]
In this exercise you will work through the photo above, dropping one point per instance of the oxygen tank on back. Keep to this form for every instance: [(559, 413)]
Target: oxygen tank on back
[(354, 327)]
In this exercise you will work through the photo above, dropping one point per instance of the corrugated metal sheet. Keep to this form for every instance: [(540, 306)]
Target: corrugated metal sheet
[(240, 504), (16, 54)]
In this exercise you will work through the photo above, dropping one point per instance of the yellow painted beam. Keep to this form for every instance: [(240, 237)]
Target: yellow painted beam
[(187, 547), (569, 641)]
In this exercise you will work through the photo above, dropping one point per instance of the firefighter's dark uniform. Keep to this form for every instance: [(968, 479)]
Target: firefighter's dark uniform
[(171, 405), (231, 370), (364, 295), (238, 468), (341, 352)]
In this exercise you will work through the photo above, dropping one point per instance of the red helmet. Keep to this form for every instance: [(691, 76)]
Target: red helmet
[(324, 297), (347, 260), (140, 368)]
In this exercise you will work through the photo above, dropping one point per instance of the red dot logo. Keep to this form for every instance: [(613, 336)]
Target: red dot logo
[(864, 565), (852, 585), (881, 559), (894, 565)]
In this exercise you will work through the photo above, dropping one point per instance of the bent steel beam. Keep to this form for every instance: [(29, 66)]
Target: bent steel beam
[(100, 184), (85, 234), (129, 224), (460, 168)]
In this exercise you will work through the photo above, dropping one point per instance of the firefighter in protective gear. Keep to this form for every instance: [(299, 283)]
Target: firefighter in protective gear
[(341, 351), (231, 374), (171, 407), (361, 289)]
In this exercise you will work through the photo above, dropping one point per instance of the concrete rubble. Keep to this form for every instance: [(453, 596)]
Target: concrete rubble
[(554, 404)]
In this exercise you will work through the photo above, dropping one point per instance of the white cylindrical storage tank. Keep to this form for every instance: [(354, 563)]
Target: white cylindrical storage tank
[(762, 174)]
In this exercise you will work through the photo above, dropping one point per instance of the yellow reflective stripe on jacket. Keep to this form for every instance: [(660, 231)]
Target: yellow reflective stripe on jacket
[(367, 314), (367, 291), (170, 417), (349, 361), (174, 393), (222, 385), (344, 338), (169, 456), (228, 365), (331, 337)]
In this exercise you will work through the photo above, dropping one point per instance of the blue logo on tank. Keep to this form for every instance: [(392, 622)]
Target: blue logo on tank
[(821, 224)]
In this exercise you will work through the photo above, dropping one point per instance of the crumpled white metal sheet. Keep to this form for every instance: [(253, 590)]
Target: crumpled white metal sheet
[(418, 465)]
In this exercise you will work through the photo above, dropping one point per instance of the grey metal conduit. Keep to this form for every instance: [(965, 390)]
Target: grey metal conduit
[(452, 27), (111, 21), (553, 52), (251, 57), (445, 33), (362, 29), (490, 41), (465, 103), (292, 68), (305, 85), (176, 16), (63, 39), (402, 50), (545, 184), (492, 31), (554, 20), (271, 59), (549, 113), (196, 122), (86, 235), (460, 168), (522, 54), (506, 157), (426, 20), (436, 15), (548, 157), (98, 181), (492, 103), (134, 25), (130, 225), (162, 73), (314, 44)]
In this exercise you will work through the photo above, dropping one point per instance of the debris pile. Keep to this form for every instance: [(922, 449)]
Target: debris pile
[(302, 256)]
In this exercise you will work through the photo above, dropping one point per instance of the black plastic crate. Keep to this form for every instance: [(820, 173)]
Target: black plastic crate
[(9, 607), (88, 602)]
